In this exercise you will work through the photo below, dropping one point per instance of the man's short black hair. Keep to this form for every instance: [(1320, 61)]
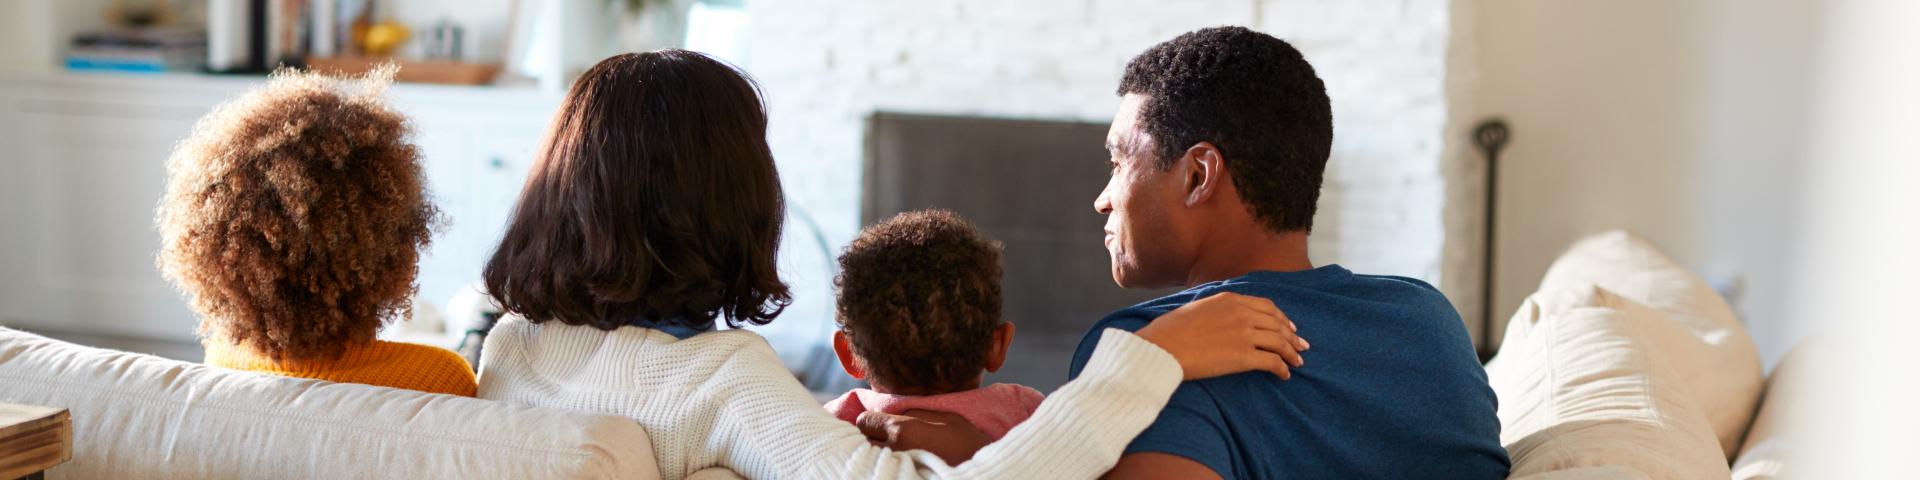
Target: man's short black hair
[(1256, 99), (919, 300)]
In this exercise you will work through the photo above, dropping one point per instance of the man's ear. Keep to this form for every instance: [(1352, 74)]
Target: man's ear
[(1206, 172), (848, 362), (1002, 340)]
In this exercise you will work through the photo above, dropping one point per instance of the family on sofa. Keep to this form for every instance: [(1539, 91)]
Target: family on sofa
[(294, 218)]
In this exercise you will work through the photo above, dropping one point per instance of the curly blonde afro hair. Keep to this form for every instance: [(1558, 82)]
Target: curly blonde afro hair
[(294, 216)]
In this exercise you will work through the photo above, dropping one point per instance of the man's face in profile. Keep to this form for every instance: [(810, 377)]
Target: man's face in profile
[(1139, 199)]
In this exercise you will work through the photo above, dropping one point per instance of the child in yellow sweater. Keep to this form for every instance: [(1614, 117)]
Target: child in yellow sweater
[(293, 221)]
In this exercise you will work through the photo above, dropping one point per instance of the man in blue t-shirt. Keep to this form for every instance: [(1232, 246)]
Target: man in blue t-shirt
[(1218, 151)]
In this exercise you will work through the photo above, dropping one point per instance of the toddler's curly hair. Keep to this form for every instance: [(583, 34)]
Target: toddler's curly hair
[(294, 215), (919, 300)]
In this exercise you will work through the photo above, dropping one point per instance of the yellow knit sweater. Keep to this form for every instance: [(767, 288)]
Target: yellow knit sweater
[(387, 364)]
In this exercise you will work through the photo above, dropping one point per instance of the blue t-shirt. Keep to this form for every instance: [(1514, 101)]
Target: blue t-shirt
[(1391, 387)]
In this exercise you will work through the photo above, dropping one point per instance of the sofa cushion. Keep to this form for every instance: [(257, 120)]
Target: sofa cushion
[(139, 416), (1702, 339), (1583, 392), (1768, 446)]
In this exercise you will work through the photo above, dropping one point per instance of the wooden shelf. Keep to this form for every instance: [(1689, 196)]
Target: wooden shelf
[(450, 73), (196, 92)]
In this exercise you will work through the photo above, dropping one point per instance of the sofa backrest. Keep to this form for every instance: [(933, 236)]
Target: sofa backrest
[(139, 416)]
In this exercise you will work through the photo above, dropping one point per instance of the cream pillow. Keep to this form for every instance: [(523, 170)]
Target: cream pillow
[(1583, 393), (1702, 339), (1764, 454), (1768, 446)]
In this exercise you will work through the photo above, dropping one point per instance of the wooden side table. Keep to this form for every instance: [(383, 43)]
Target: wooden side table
[(33, 439)]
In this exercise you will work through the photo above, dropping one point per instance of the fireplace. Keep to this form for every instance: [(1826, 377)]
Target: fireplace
[(1029, 184)]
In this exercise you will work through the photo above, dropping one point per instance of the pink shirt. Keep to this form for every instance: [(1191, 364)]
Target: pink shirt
[(994, 409)]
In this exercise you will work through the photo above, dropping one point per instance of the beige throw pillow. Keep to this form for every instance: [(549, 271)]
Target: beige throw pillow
[(1584, 392), (1701, 338)]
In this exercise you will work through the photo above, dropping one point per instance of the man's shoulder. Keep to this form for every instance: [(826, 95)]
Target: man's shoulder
[(1130, 319), (1136, 317), (1413, 297), (1399, 280), (1407, 288), (1404, 295)]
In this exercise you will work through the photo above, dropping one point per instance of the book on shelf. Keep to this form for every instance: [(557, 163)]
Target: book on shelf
[(152, 49), (259, 35)]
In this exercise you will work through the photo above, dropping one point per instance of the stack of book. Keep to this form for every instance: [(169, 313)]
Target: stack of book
[(139, 50)]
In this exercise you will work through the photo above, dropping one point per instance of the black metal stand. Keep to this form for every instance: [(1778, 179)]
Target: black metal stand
[(1491, 136)]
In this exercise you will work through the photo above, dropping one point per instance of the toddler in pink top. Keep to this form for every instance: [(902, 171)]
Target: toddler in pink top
[(919, 317)]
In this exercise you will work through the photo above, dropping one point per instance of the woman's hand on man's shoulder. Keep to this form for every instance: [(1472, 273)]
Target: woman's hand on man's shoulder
[(1228, 333)]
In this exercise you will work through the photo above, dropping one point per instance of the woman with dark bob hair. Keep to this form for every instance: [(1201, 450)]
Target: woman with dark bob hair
[(654, 210)]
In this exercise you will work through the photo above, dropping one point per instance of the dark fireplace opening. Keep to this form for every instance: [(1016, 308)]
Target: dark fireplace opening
[(1031, 185)]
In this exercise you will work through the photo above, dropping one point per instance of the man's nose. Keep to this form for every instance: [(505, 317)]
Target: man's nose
[(1101, 204)]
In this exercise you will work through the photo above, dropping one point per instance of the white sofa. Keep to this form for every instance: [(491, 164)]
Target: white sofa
[(1623, 366), (139, 416)]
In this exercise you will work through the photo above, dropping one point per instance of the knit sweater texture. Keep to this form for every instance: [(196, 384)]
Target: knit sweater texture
[(723, 399), (387, 364)]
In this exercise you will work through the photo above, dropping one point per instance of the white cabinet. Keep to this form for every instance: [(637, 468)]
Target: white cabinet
[(89, 247), (82, 166), (476, 169), (447, 263)]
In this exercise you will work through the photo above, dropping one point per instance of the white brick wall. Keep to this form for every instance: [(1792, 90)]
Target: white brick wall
[(1464, 171), (825, 65)]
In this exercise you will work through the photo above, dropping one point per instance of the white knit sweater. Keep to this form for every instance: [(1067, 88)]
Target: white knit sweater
[(724, 399)]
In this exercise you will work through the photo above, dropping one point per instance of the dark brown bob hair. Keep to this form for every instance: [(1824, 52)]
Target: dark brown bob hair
[(654, 198)]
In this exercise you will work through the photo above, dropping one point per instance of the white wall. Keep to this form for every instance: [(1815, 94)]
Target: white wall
[(1679, 121), (33, 32), (826, 65), (20, 40), (1855, 256)]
